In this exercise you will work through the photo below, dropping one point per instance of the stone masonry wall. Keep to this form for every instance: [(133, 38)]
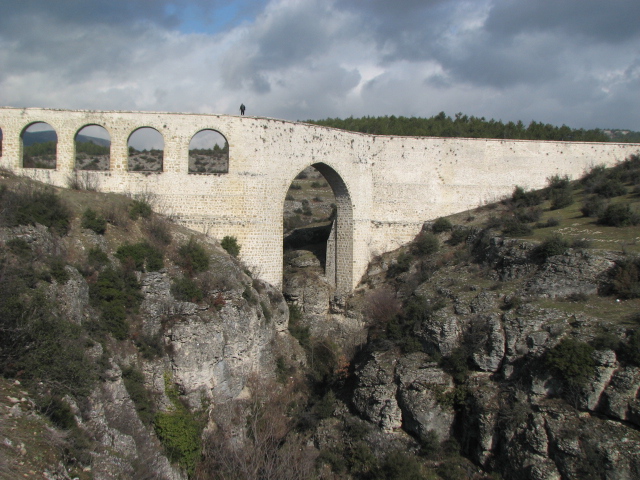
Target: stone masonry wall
[(393, 184)]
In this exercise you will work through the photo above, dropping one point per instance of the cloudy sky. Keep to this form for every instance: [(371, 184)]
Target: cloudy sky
[(573, 62)]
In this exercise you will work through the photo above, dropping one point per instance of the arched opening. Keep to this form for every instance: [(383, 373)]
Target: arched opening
[(318, 226), (146, 150), (93, 147), (39, 146), (208, 152)]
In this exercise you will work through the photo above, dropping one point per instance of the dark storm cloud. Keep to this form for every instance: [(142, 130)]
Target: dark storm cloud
[(611, 21)]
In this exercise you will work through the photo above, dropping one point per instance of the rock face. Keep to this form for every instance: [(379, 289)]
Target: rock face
[(510, 412), (410, 393), (208, 350)]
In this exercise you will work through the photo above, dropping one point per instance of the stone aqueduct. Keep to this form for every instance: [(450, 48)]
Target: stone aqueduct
[(385, 187)]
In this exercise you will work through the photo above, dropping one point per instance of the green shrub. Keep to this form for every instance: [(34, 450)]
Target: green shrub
[(58, 271), (150, 346), (626, 279), (92, 221), (559, 183), (515, 228), (158, 229), (630, 350), (554, 245), (426, 244), (139, 208), (134, 383), (529, 214), (36, 205), (45, 349), (115, 293), (97, 257), (618, 215), (594, 206), (458, 235), (571, 362), (19, 247), (399, 465), (230, 244), (58, 412), (142, 255), (297, 330), (520, 198), (193, 257), (178, 431), (441, 225), (401, 265), (610, 188), (561, 198), (187, 290)]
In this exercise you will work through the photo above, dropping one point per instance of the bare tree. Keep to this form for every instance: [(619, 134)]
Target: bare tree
[(254, 439)]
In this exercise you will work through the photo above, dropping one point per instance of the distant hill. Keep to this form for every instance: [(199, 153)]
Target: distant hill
[(31, 138), (626, 136)]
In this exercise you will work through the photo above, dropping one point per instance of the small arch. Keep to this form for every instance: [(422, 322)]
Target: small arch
[(146, 150), (208, 152), (39, 146), (336, 255), (92, 148)]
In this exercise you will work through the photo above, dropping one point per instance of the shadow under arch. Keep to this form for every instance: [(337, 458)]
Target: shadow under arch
[(339, 250)]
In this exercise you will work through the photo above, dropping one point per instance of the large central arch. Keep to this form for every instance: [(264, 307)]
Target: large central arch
[(339, 254)]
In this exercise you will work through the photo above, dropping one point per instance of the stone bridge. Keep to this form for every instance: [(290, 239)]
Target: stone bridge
[(385, 187)]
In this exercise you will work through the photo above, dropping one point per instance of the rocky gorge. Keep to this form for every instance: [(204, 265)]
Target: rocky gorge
[(465, 354)]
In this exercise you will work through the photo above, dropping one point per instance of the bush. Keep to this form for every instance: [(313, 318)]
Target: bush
[(594, 206), (528, 215), (571, 362), (618, 215), (515, 228), (187, 290), (139, 208), (398, 465), (193, 257), (115, 293), (142, 255), (134, 383), (296, 329), (19, 247), (158, 229), (426, 244), (230, 244), (554, 245), (551, 222), (178, 431), (401, 265), (458, 235), (92, 221), (626, 279), (561, 198), (29, 206), (441, 225), (520, 198), (610, 188), (97, 258)]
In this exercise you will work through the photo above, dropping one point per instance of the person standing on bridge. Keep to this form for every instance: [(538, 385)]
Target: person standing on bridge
[(242, 107)]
